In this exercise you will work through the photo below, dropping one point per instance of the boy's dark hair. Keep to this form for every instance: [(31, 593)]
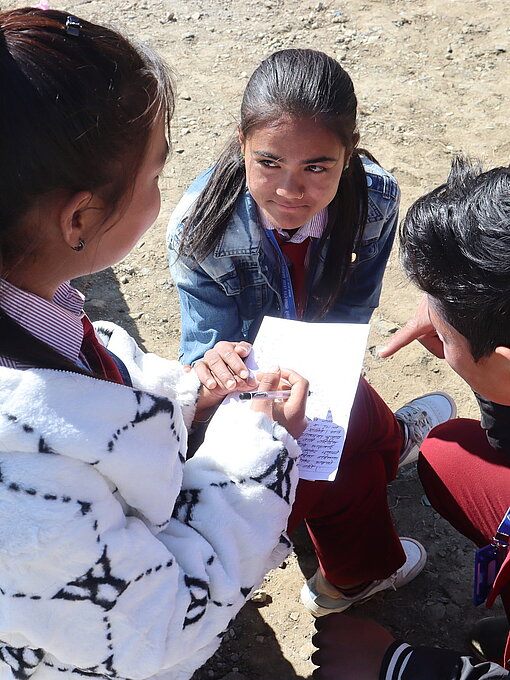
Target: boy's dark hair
[(298, 83), (455, 245)]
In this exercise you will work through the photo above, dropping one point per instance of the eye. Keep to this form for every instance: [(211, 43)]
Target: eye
[(266, 163), (316, 169)]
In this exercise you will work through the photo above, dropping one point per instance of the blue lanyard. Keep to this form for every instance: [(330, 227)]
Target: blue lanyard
[(502, 536), (289, 305)]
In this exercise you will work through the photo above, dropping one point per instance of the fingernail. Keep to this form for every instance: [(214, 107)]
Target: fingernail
[(230, 384), (244, 374), (210, 383)]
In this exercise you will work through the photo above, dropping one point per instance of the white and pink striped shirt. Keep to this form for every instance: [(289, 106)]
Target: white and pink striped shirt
[(57, 323), (313, 228)]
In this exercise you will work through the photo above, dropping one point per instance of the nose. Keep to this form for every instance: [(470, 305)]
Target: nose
[(290, 188)]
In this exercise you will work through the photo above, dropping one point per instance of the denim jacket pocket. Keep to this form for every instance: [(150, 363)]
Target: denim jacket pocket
[(246, 281)]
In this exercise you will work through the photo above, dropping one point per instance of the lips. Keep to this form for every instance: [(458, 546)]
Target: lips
[(289, 207)]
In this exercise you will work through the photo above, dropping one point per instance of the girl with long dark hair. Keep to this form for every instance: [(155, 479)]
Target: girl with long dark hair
[(293, 219)]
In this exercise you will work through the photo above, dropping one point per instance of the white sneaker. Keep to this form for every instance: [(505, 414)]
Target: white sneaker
[(320, 604), (418, 417)]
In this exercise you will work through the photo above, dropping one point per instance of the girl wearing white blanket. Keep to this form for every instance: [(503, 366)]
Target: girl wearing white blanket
[(118, 557)]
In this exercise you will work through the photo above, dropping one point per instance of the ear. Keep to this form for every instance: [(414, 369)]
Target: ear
[(503, 353), (78, 217)]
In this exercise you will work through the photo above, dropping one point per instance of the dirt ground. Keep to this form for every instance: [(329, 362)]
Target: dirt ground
[(430, 77)]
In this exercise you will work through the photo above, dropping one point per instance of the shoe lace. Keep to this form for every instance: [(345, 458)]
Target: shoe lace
[(418, 423)]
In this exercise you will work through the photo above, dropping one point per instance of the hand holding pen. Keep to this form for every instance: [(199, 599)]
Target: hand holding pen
[(288, 410)]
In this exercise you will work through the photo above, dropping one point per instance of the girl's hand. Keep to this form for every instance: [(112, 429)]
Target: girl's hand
[(290, 413), (221, 371)]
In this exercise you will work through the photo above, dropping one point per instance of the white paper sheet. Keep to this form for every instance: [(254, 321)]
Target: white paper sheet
[(330, 356)]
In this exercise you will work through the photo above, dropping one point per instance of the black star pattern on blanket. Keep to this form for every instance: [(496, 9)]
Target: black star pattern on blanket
[(184, 505), (149, 406), (97, 585), (199, 595), (277, 475), (23, 661)]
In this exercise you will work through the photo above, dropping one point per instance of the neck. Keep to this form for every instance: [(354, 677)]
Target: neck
[(42, 288)]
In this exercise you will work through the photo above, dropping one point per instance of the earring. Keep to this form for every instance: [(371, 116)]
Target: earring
[(346, 166), (80, 246), (242, 156)]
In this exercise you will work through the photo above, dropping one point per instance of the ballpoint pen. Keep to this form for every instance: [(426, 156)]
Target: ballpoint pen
[(269, 395)]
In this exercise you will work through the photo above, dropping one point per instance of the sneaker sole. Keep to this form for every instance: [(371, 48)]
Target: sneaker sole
[(317, 611)]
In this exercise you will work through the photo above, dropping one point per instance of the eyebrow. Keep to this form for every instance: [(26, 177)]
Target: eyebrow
[(309, 161)]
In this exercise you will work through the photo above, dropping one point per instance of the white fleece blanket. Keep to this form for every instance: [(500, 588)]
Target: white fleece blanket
[(117, 557)]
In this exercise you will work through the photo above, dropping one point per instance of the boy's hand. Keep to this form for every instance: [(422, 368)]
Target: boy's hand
[(418, 328), (349, 648)]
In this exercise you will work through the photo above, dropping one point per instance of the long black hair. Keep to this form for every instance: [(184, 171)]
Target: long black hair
[(76, 112), (300, 83)]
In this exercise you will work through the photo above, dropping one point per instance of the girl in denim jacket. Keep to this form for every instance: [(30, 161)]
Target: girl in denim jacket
[(293, 220)]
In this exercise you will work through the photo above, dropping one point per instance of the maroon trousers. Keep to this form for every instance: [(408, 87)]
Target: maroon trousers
[(349, 520), (467, 481)]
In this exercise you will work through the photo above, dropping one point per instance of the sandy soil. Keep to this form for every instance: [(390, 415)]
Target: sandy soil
[(430, 77)]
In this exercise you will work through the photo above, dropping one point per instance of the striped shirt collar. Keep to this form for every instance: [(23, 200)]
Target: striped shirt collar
[(313, 228), (57, 323)]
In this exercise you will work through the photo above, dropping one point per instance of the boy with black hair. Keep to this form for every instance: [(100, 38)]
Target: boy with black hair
[(455, 245)]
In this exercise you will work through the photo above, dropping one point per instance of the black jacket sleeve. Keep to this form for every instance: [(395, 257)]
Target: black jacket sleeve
[(402, 662)]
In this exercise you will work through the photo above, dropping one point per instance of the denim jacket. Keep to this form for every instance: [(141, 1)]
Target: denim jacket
[(238, 283)]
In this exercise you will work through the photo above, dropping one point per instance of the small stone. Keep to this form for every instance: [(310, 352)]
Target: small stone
[(259, 597), (188, 36), (179, 150), (185, 96), (293, 616), (197, 16), (385, 327), (125, 279)]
